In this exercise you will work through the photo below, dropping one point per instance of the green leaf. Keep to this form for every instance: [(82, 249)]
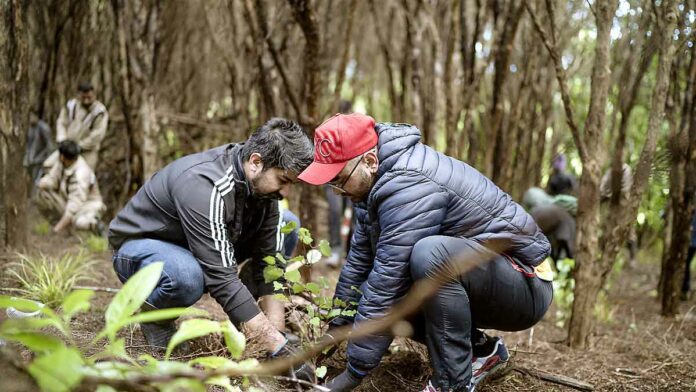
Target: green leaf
[(58, 371), (333, 313), (191, 329), (36, 342), (313, 256), (133, 294), (270, 260), (165, 314), (297, 288), (320, 371), (313, 288), (310, 310), (305, 236), (105, 388), (288, 227), (21, 304), (348, 313), (220, 381), (339, 302), (76, 302), (296, 259), (280, 257), (213, 362), (293, 276), (314, 321), (182, 384), (271, 273), (325, 248), (281, 297), (277, 286), (235, 340)]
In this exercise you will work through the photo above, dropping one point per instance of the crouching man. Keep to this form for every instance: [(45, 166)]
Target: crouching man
[(69, 192), (416, 209), (200, 215)]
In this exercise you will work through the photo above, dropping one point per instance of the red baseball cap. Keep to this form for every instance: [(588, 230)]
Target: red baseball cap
[(336, 141)]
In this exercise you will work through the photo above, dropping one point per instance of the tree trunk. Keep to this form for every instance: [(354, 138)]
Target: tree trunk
[(14, 97), (682, 197), (587, 283)]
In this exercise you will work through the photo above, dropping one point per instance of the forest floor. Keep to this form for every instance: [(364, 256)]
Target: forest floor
[(633, 349)]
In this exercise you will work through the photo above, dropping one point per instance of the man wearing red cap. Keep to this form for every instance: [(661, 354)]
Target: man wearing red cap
[(416, 208)]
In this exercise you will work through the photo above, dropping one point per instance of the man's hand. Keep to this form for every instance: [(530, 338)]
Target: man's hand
[(344, 382), (62, 224)]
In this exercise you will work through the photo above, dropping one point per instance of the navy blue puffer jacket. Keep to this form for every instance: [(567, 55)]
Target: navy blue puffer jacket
[(418, 193)]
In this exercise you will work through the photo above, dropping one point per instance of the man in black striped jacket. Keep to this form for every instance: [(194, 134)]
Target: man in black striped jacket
[(204, 212)]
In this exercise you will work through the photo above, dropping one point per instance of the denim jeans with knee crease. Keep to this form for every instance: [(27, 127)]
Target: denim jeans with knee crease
[(182, 283), (499, 294)]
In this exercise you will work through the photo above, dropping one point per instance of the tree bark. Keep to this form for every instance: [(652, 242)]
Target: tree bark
[(14, 105), (587, 284), (682, 198)]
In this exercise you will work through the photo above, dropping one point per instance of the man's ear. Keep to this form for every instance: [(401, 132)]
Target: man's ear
[(255, 162), (372, 161)]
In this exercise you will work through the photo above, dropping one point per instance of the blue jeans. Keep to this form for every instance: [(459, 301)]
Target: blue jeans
[(181, 283)]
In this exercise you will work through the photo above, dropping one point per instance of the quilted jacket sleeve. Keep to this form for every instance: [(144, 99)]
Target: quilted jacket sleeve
[(410, 207)]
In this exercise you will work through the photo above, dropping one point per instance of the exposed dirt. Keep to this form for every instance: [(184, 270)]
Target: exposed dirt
[(636, 351)]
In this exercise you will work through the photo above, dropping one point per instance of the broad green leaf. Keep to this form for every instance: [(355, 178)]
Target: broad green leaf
[(271, 273), (314, 321), (277, 286), (191, 329), (36, 342), (235, 340), (333, 313), (296, 259), (320, 371), (213, 362), (165, 314), (297, 288), (21, 304), (280, 257), (76, 302), (281, 297), (182, 384), (288, 227), (325, 248), (348, 313), (220, 381), (133, 294), (58, 371), (293, 276), (313, 288), (340, 302), (313, 256), (310, 310), (305, 236), (105, 388)]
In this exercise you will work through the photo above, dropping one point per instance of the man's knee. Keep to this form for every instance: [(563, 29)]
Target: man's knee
[(182, 282), (433, 253)]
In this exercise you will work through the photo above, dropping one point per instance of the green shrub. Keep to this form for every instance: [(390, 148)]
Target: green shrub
[(96, 243)]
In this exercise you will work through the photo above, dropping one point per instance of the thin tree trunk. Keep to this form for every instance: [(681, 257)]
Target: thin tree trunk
[(587, 283), (14, 97)]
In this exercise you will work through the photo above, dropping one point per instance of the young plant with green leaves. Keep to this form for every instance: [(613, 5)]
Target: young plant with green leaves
[(318, 308), (49, 280), (59, 364)]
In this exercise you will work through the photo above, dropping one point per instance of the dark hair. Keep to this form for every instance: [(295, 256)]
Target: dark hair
[(69, 149), (281, 143), (85, 87)]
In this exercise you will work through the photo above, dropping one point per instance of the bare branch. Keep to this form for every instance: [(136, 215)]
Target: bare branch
[(561, 77)]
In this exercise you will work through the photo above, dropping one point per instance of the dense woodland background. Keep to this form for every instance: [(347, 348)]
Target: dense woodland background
[(501, 84)]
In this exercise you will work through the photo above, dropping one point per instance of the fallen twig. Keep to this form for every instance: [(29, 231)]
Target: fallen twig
[(96, 288), (555, 378)]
